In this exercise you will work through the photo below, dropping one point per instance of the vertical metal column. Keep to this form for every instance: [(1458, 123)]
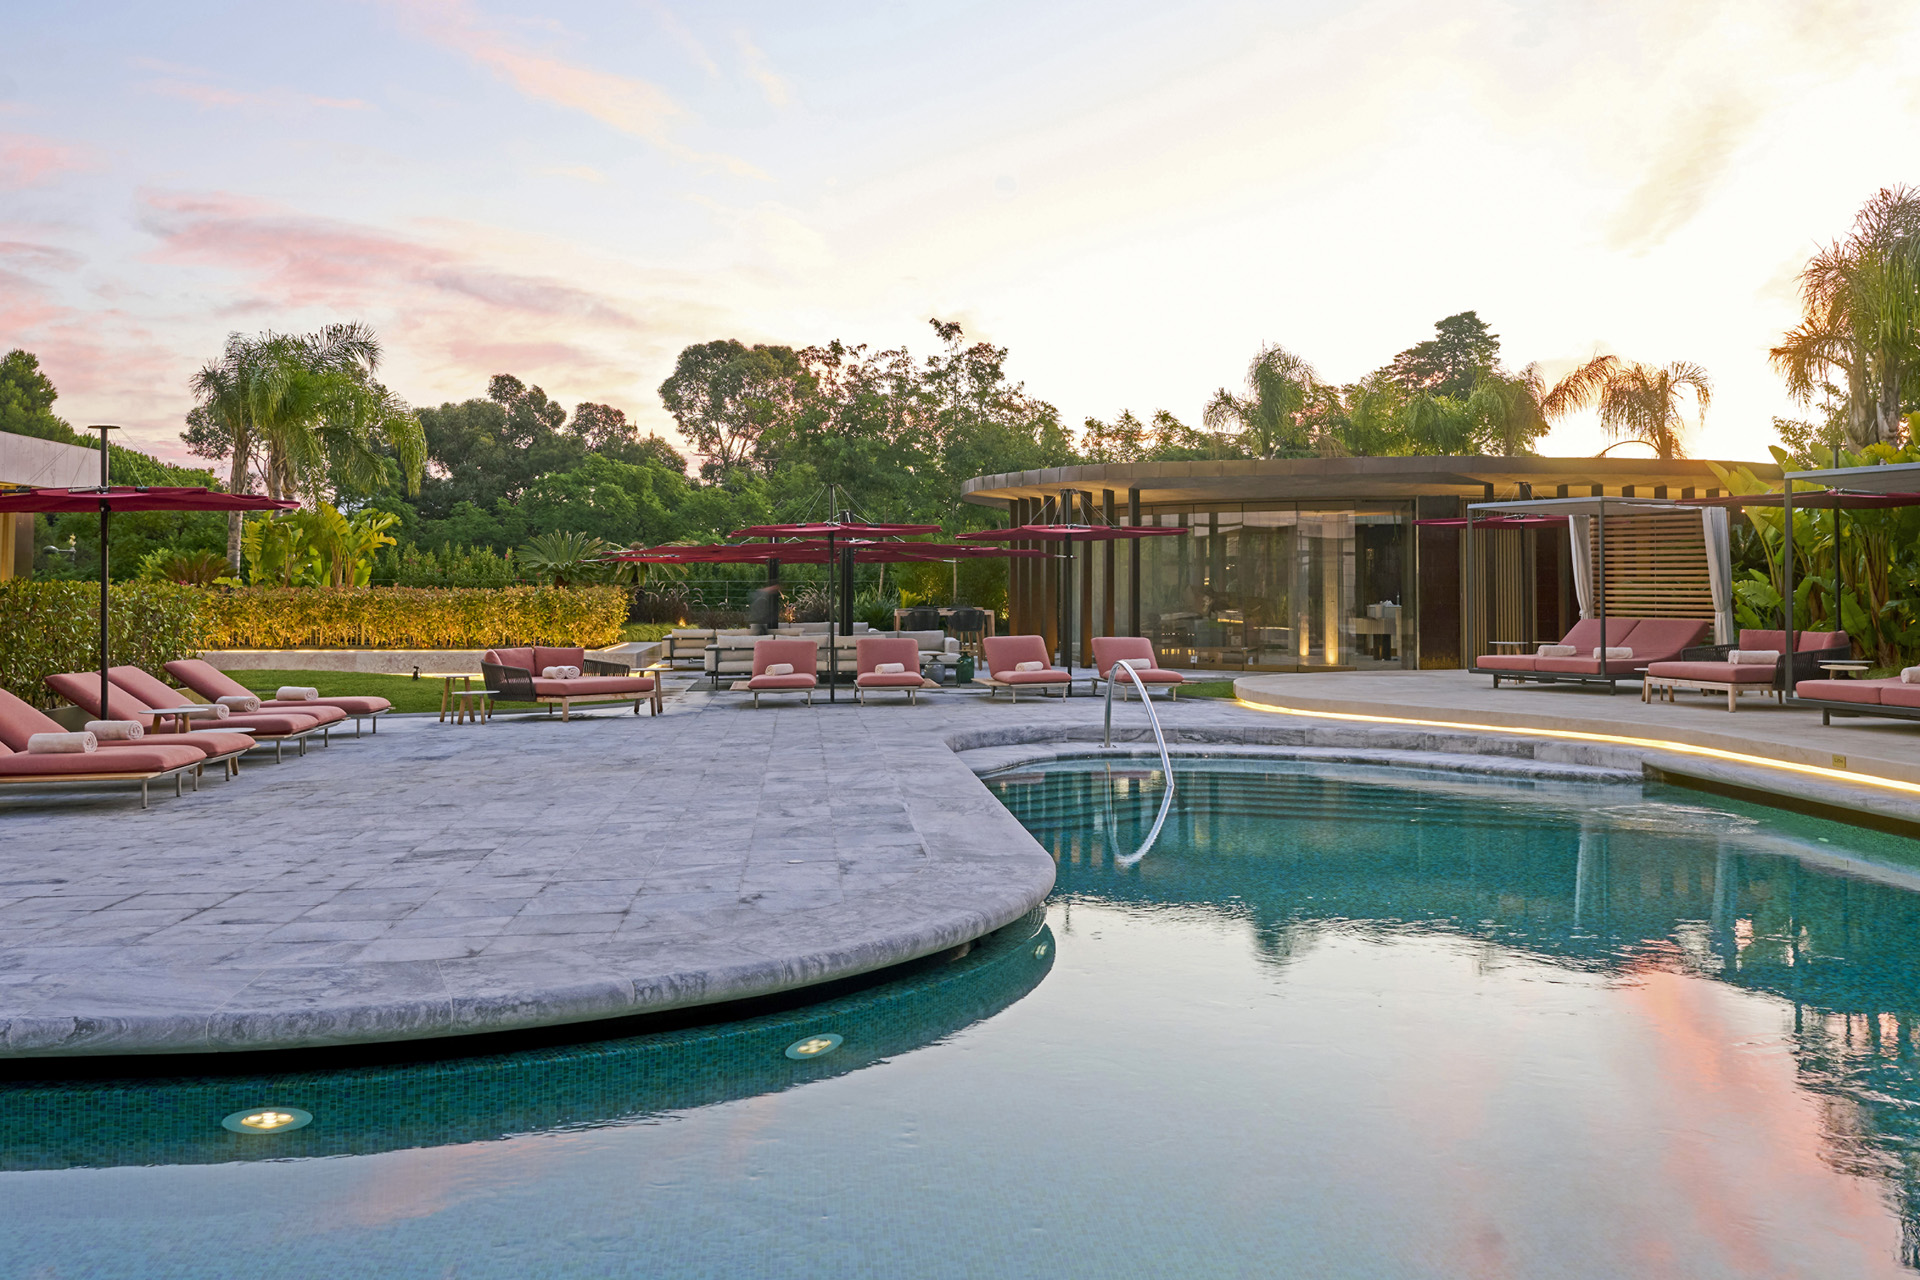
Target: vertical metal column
[(1110, 550), (1084, 629)]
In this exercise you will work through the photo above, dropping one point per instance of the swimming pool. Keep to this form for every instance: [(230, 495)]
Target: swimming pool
[(1339, 1022)]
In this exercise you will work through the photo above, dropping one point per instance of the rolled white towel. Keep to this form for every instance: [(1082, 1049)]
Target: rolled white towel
[(60, 744), (890, 669), (1615, 651), (205, 711), (1754, 657), (1910, 675), (296, 693), (1135, 664), (1555, 651), (779, 669), (1029, 666), (242, 702), (116, 730)]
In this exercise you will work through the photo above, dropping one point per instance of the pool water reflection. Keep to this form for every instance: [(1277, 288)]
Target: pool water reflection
[(1339, 1022)]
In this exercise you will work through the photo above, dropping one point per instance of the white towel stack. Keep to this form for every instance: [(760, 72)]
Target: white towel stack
[(560, 673), (1754, 657), (1910, 675), (1555, 651), (296, 693), (242, 702), (116, 730), (60, 744)]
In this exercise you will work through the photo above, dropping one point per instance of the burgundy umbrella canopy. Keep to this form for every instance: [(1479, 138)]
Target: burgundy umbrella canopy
[(830, 528), (1074, 533), (107, 499)]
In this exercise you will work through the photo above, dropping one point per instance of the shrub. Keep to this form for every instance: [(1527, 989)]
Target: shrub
[(50, 627), (413, 617), (450, 565)]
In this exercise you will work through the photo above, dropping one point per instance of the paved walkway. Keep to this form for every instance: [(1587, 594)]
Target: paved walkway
[(439, 880)]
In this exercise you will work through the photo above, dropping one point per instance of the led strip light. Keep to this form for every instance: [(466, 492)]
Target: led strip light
[(1577, 735)]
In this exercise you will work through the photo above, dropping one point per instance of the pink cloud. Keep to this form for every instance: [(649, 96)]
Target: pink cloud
[(631, 105), (207, 95), (26, 161)]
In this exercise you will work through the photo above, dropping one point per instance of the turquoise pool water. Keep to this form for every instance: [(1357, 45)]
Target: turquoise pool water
[(1339, 1022)]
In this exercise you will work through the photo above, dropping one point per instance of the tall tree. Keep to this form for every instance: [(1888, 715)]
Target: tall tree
[(723, 395), (1636, 401), (1461, 351), (1509, 410), (1858, 342)]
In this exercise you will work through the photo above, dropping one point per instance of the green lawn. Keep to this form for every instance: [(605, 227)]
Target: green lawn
[(404, 692), (1207, 689), (645, 632)]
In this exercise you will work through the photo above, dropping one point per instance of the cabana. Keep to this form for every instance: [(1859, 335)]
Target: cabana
[(1650, 639), (1849, 489)]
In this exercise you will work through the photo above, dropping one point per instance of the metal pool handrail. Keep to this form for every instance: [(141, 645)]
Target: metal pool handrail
[(1166, 761)]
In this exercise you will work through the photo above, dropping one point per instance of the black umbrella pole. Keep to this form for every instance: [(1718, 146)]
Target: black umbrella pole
[(106, 513)]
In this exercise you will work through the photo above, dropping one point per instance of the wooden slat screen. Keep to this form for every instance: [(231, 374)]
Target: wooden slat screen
[(1656, 566), (1503, 586)]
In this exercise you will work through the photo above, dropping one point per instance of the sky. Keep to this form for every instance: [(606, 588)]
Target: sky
[(1131, 197)]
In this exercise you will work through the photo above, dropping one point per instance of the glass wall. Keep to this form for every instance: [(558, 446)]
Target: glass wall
[(1276, 587)]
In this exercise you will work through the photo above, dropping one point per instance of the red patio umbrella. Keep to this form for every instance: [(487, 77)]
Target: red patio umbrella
[(108, 499)]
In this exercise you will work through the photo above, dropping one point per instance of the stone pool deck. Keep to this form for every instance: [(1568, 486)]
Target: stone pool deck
[(438, 880)]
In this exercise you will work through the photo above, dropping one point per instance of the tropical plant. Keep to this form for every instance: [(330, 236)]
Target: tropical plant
[(567, 559), (1636, 401), (190, 568), (1858, 342), (1508, 410), (1268, 417)]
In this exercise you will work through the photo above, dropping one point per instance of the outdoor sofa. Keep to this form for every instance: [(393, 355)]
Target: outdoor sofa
[(1137, 650), (776, 651), (82, 689), (1003, 656), (1893, 698), (516, 675), (1710, 669), (211, 683), (176, 756), (875, 651), (1650, 640)]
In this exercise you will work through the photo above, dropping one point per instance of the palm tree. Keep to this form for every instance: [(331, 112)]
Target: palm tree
[(309, 406), (1280, 387), (1636, 401), (1508, 409), (1860, 299)]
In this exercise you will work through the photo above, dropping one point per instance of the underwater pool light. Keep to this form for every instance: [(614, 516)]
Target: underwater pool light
[(813, 1047), (267, 1120)]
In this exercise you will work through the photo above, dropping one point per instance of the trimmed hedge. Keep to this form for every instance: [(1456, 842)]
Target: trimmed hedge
[(412, 617), (50, 627)]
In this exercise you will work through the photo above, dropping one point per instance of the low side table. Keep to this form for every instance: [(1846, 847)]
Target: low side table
[(472, 705), (446, 689), (1846, 669)]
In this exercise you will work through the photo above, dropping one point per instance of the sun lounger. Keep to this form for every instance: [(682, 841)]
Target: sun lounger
[(872, 651), (1649, 640), (1003, 656), (82, 689), (210, 682), (1107, 650), (1892, 698), (801, 655), (142, 761), (515, 675), (1710, 669)]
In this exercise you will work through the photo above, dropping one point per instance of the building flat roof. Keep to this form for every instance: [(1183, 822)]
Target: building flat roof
[(1306, 479)]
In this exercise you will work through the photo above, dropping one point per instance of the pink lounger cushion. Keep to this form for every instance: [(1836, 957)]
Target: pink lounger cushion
[(134, 758), (211, 682), (1005, 653), (1585, 666), (888, 680), (1506, 661), (1896, 694), (1715, 672), (83, 691), (585, 686), (802, 655), (157, 696), (1863, 691), (1108, 650)]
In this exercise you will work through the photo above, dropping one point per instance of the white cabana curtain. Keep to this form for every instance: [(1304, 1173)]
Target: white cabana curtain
[(1577, 538), (1713, 522)]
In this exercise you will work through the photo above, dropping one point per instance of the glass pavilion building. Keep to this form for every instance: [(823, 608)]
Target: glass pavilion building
[(1332, 563)]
